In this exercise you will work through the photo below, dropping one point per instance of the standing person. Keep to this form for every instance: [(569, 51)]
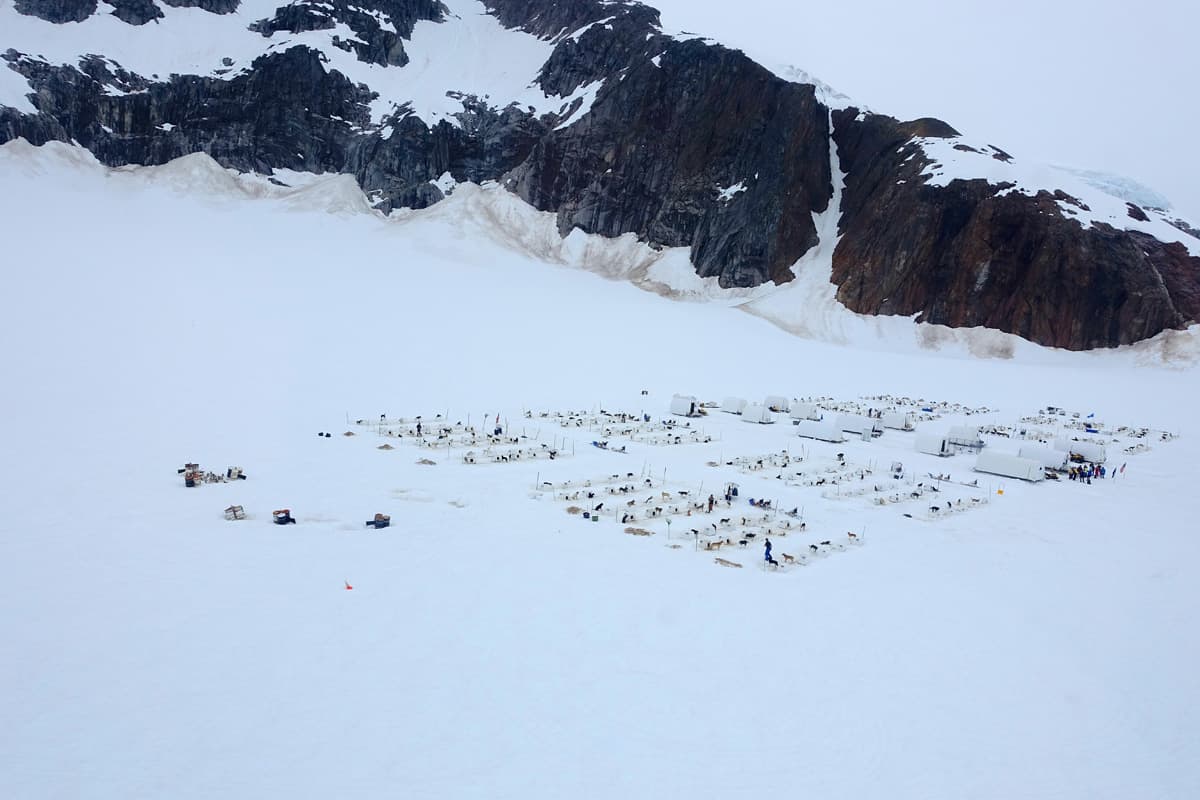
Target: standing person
[(711, 501), (767, 554)]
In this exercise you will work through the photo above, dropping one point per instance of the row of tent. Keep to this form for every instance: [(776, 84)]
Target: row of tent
[(1032, 460), (1055, 457), (830, 428), (1029, 463), (801, 413)]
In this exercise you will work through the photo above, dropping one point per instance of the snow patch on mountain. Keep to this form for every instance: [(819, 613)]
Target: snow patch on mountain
[(729, 192), (468, 54), (186, 41), (577, 104), (14, 89)]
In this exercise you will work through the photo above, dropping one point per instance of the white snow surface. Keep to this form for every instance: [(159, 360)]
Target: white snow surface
[(493, 645), (1105, 201), (14, 89)]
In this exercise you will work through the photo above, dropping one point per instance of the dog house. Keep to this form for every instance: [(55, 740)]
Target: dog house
[(733, 405), (934, 444), (685, 405), (821, 430), (1048, 457), (899, 421), (1088, 451), (777, 403), (757, 413), (1008, 465)]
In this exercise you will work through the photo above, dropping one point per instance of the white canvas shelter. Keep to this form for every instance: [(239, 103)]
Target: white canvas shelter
[(805, 411), (685, 405), (1089, 450), (733, 405), (757, 413), (860, 425), (1048, 457), (965, 436), (898, 420), (935, 444), (1009, 466), (776, 403), (823, 430)]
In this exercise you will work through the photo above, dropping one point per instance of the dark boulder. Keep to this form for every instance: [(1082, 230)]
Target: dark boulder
[(59, 11)]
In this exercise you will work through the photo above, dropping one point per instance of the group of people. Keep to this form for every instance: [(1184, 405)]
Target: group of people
[(1085, 473)]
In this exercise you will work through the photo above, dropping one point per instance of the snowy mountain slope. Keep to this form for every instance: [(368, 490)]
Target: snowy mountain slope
[(1088, 199), (594, 112), (493, 645)]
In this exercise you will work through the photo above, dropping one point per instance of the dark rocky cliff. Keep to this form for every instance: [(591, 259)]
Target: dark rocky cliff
[(965, 255), (684, 144)]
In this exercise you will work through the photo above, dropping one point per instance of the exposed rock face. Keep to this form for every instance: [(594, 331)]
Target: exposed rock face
[(659, 146), (679, 141), (135, 12), (374, 44), (965, 255), (211, 6), (57, 10)]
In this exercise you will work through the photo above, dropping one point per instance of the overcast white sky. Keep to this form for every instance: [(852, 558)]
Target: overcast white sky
[(1112, 85)]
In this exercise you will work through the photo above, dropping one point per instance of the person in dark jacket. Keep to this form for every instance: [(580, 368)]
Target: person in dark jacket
[(767, 554)]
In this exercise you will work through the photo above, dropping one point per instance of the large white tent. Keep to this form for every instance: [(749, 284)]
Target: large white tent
[(1009, 465)]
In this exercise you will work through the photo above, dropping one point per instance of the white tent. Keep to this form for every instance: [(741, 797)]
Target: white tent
[(824, 430), (685, 406), (1090, 451), (805, 411), (757, 413), (935, 444), (860, 425), (733, 405), (965, 436), (776, 403), (1048, 457), (898, 420), (1009, 466)]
